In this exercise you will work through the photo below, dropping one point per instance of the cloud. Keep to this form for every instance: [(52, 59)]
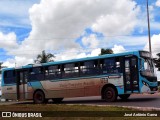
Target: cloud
[(59, 22), (134, 42), (158, 3), (75, 53), (17, 61), (155, 43), (116, 23), (118, 49), (94, 52), (90, 41), (8, 41), (8, 7), (56, 24), (15, 12)]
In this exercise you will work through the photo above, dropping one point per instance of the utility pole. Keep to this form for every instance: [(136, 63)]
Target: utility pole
[(149, 34)]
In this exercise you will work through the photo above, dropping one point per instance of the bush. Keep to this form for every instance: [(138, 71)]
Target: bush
[(158, 88)]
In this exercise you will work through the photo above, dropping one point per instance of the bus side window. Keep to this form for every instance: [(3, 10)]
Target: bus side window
[(36, 73), (117, 65), (46, 70), (26, 76), (82, 68), (71, 70), (9, 77), (110, 65), (89, 68), (76, 70), (52, 72)]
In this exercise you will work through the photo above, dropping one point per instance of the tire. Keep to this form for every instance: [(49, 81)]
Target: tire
[(124, 97), (39, 97), (57, 100), (110, 94)]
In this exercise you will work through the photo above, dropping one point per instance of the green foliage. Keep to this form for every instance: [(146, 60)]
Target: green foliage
[(158, 88), (106, 51), (44, 57), (1, 63), (157, 61), (62, 107), (0, 67)]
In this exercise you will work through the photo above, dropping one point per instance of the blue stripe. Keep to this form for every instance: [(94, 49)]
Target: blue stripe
[(36, 85), (87, 77)]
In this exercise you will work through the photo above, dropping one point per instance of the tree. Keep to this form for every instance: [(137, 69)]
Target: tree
[(157, 61), (43, 58), (1, 67), (106, 51)]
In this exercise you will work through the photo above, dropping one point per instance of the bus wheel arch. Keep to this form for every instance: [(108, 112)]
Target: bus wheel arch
[(39, 97), (111, 90)]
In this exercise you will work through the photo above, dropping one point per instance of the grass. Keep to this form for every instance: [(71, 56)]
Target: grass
[(73, 109), (58, 107), (158, 88)]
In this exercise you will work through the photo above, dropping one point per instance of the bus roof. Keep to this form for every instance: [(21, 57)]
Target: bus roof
[(74, 60)]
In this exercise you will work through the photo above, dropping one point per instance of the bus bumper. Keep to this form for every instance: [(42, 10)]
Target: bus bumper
[(154, 89)]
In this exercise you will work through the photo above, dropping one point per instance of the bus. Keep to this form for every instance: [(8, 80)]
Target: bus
[(108, 76)]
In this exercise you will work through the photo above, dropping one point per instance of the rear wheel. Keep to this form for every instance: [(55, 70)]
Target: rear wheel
[(110, 94), (57, 100), (124, 97), (39, 97)]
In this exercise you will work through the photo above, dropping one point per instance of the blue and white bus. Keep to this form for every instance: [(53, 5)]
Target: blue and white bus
[(108, 76)]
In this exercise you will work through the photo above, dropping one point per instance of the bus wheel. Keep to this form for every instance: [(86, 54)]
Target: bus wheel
[(124, 97), (110, 94), (57, 100), (39, 97)]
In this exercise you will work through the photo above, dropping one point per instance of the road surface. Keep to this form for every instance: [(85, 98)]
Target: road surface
[(135, 100)]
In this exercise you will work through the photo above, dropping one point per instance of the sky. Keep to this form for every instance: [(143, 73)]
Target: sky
[(75, 28)]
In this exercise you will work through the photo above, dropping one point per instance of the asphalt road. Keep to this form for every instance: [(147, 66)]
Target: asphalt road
[(135, 100)]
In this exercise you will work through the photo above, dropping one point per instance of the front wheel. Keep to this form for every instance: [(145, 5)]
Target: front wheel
[(57, 100), (39, 97), (124, 97), (110, 94)]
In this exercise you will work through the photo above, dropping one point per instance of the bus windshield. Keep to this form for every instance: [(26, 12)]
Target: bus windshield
[(148, 66)]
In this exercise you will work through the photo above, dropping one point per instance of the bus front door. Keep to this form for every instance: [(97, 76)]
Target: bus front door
[(21, 85), (131, 81)]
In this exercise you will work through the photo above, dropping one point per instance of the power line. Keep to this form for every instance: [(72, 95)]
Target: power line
[(61, 52), (98, 36)]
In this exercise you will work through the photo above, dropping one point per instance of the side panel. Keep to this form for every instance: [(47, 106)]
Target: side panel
[(9, 92), (81, 87)]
